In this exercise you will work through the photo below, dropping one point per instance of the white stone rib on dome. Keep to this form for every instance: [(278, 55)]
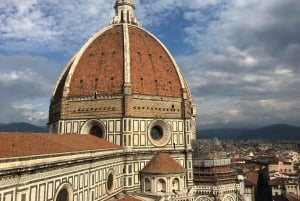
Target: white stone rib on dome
[(74, 61), (183, 82)]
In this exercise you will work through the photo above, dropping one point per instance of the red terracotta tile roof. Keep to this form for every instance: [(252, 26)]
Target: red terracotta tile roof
[(162, 163), (128, 198), (249, 183), (100, 68), (249, 166), (275, 160), (279, 198), (152, 70), (293, 197), (276, 182), (251, 178), (28, 144)]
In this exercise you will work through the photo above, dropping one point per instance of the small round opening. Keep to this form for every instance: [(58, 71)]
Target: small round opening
[(157, 132), (97, 131)]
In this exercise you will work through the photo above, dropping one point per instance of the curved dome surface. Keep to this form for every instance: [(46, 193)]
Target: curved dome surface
[(122, 80), (152, 70), (117, 52)]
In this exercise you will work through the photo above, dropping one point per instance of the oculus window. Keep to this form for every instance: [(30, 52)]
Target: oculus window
[(159, 133)]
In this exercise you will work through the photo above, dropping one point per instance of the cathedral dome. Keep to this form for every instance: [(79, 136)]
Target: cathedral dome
[(118, 55), (122, 54), (123, 71)]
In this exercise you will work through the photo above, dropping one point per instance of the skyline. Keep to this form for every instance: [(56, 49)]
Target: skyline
[(239, 58)]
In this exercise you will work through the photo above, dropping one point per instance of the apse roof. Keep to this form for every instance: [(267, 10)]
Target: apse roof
[(163, 163), (28, 144)]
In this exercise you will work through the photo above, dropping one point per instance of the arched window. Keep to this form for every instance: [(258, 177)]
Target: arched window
[(228, 198), (110, 182), (94, 127), (203, 199), (147, 185), (128, 18), (64, 193), (97, 131), (161, 186), (175, 185), (122, 17)]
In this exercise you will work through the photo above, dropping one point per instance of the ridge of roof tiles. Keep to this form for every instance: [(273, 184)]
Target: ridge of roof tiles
[(163, 163), (30, 144)]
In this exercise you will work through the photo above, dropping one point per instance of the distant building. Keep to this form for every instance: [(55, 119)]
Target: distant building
[(277, 165), (214, 176), (277, 186), (285, 187), (250, 182)]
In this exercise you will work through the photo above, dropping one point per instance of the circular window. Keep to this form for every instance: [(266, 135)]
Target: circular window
[(110, 183), (159, 133), (156, 133), (93, 127), (97, 131)]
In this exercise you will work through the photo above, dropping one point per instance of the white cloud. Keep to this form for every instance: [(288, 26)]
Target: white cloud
[(16, 76), (37, 25), (25, 78), (7, 77), (32, 115), (244, 68), (247, 54), (24, 20)]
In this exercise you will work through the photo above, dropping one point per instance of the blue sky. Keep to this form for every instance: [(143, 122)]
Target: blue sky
[(240, 57)]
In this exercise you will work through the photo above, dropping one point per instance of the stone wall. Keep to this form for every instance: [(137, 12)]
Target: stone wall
[(86, 179)]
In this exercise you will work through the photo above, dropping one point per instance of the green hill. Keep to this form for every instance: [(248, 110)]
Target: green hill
[(273, 132), (21, 127)]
